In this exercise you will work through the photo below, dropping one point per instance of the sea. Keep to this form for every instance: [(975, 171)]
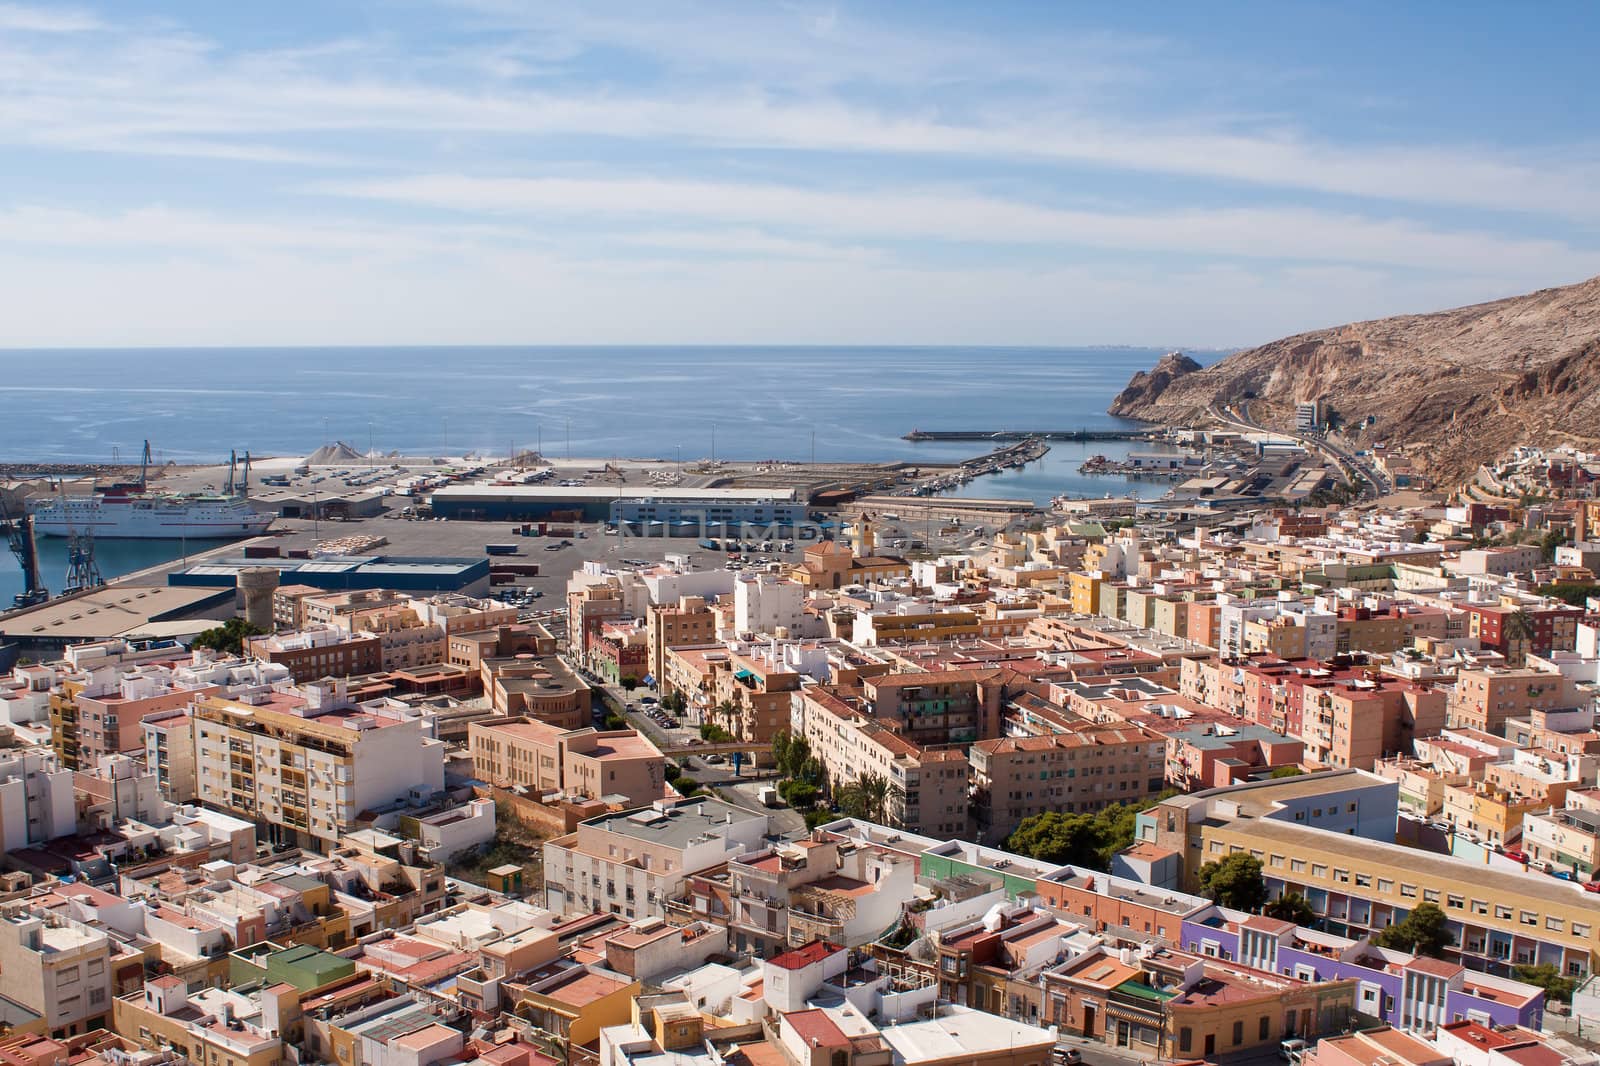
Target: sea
[(195, 405)]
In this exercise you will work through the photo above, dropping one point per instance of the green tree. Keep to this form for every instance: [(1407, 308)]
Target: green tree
[(1552, 540), (674, 703), (1291, 907), (1574, 594), (799, 794), (1546, 976), (1234, 881), (629, 682), (715, 734), (1425, 931), (229, 637)]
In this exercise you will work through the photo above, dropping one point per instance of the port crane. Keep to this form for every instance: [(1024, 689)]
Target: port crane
[(19, 537)]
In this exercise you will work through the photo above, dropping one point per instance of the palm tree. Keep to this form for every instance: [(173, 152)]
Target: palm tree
[(875, 797)]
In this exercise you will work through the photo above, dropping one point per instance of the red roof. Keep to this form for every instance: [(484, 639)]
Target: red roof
[(801, 957), (816, 1028)]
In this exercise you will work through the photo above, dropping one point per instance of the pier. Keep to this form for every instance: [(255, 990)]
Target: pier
[(1038, 434)]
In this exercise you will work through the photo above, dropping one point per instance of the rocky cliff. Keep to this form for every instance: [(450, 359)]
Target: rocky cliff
[(1454, 387)]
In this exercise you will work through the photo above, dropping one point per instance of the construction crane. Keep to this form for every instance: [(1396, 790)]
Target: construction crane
[(83, 573), (19, 535)]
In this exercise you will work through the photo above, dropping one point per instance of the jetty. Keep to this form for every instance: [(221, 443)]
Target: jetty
[(1036, 434)]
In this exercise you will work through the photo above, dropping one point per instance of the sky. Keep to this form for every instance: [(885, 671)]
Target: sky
[(509, 172)]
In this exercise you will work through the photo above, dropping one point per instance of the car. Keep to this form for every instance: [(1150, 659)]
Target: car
[(552, 547), (1591, 886), (1065, 1056), (715, 759), (1516, 856), (1292, 1051), (648, 699)]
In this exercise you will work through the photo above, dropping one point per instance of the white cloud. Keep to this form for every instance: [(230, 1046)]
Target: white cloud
[(922, 214), (21, 18)]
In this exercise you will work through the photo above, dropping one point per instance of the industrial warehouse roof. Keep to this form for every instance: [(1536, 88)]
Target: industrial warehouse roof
[(106, 612), (600, 492), (304, 571)]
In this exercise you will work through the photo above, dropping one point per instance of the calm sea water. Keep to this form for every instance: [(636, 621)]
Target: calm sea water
[(194, 405)]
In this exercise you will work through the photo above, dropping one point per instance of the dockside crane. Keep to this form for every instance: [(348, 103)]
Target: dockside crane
[(19, 537)]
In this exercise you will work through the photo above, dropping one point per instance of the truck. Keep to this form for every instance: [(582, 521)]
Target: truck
[(769, 796)]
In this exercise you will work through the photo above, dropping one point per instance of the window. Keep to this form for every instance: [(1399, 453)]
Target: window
[(1385, 885), (1185, 1038), (1364, 880), (1341, 876), (1480, 907), (1555, 924), (1265, 1029), (1455, 902), (1297, 865), (1528, 918), (1318, 870), (1408, 891), (1502, 912), (1430, 895), (1238, 1033), (1580, 929)]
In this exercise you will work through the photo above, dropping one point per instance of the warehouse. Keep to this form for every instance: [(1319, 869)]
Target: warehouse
[(634, 503), (401, 573)]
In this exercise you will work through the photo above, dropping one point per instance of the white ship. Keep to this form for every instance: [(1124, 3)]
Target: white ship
[(130, 511), (148, 516)]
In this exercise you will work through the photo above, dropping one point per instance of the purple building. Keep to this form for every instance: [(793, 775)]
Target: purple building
[(1410, 992)]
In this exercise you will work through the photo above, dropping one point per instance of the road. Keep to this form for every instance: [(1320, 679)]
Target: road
[(1349, 464)]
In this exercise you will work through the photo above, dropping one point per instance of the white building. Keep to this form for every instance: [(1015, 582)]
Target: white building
[(768, 603), (35, 799), (630, 863)]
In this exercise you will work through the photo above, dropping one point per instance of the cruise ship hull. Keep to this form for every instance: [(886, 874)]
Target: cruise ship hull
[(145, 518)]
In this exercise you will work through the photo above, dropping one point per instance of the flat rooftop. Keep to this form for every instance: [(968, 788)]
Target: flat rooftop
[(107, 612), (677, 826)]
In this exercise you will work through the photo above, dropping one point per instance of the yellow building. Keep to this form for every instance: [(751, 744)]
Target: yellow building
[(573, 1003), (1085, 588), (212, 1026)]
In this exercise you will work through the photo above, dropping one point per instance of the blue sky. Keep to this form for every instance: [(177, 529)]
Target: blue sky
[(499, 171)]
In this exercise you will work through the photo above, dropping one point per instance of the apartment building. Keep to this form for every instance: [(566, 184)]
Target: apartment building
[(1215, 755), (1329, 837), (320, 650), (769, 604), (927, 787), (630, 863), (585, 762), (1086, 769), (688, 622), (98, 713), (36, 801), (304, 767), (818, 888), (246, 1027), (58, 968), (1488, 697), (939, 706)]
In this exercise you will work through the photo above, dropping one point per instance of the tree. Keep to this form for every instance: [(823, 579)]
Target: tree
[(714, 733), (1425, 931), (1291, 907), (1234, 881), (629, 682), (799, 794), (875, 797), (229, 637), (1552, 540), (1547, 977), (674, 703)]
